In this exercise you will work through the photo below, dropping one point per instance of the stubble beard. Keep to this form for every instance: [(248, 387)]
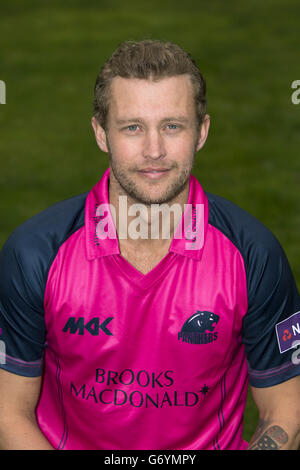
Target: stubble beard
[(138, 195)]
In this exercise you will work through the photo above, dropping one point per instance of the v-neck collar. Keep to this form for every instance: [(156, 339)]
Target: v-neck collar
[(100, 243), (144, 281)]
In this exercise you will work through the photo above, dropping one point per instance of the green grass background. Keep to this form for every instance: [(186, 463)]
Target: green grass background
[(51, 52)]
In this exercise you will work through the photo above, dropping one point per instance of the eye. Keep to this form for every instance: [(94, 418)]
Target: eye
[(132, 128), (173, 128)]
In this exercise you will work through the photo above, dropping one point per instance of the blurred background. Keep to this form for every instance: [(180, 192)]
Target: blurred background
[(51, 52)]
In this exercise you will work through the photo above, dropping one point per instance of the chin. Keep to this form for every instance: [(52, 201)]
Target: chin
[(157, 197)]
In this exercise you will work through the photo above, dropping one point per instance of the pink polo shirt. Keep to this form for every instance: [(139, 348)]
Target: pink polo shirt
[(154, 361)]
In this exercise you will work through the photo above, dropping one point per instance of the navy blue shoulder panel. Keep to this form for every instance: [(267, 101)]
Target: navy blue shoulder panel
[(25, 260), (272, 292)]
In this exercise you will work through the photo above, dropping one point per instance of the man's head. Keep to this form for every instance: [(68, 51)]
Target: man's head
[(149, 116)]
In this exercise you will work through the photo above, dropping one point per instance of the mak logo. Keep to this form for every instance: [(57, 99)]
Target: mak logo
[(199, 328), (94, 327), (288, 331)]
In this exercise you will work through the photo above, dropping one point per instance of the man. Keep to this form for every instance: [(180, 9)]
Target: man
[(119, 342)]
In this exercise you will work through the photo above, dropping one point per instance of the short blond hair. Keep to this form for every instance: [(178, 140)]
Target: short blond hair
[(147, 59)]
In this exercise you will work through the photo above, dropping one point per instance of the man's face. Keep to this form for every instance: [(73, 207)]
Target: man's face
[(151, 138)]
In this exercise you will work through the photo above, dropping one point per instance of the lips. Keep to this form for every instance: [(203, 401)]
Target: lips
[(154, 170), (154, 173)]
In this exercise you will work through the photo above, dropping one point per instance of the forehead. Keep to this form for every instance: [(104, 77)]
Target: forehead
[(149, 98)]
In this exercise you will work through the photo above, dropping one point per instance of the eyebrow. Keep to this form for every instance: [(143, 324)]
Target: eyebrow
[(181, 119)]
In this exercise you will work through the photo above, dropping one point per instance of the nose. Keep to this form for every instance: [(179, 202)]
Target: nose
[(154, 147)]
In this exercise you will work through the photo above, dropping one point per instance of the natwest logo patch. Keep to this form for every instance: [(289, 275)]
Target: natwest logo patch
[(288, 331), (199, 328)]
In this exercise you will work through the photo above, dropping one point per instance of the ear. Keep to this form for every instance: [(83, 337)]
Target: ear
[(203, 132), (100, 135)]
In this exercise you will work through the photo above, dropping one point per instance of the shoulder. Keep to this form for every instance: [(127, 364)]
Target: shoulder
[(56, 222), (246, 232), (58, 219), (33, 243)]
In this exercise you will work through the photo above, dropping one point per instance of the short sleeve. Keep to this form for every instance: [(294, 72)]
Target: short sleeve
[(22, 329), (271, 325), (25, 260)]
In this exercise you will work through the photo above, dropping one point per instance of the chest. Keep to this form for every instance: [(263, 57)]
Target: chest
[(106, 314)]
